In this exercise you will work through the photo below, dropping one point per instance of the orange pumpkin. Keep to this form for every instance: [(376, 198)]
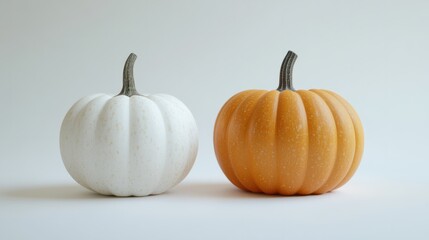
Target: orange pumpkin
[(286, 141)]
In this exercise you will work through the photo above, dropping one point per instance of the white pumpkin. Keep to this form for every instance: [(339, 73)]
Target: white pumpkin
[(129, 144)]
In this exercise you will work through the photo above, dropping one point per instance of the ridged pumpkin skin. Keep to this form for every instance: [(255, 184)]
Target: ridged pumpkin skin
[(288, 142), (129, 146)]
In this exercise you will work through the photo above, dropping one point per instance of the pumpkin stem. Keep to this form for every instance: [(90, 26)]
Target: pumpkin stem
[(129, 87), (285, 81)]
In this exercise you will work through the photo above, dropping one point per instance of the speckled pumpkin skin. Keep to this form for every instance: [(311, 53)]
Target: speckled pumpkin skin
[(289, 142), (129, 146)]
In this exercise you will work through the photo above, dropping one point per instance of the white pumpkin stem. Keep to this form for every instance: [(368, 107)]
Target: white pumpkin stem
[(285, 81), (129, 87)]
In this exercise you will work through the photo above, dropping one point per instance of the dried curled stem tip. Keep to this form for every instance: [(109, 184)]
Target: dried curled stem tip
[(285, 81), (129, 87)]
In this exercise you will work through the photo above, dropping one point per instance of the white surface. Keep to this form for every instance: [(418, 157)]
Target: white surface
[(129, 146), (373, 53), (211, 208)]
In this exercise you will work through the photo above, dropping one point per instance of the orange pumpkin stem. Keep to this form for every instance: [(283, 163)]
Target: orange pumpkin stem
[(285, 81), (129, 87)]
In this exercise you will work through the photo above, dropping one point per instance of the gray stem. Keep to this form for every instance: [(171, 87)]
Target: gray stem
[(285, 81), (129, 87)]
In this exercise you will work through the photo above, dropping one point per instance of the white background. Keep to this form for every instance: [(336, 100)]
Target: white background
[(374, 53)]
